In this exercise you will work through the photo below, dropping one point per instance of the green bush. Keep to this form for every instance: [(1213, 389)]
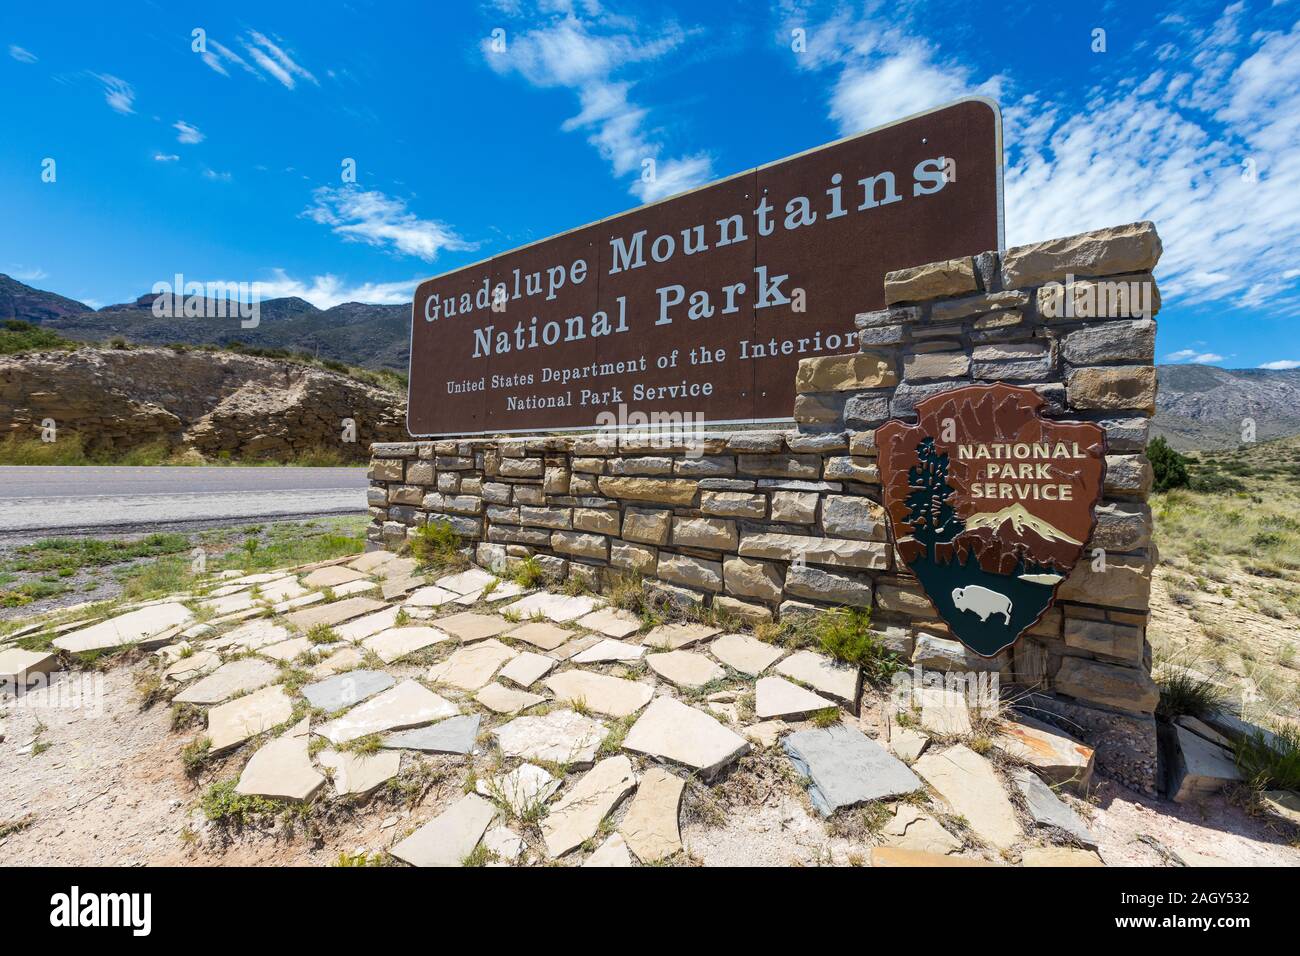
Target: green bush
[(436, 544), (1170, 467), (847, 636), (1271, 764)]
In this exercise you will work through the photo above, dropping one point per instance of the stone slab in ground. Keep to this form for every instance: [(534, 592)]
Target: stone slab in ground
[(284, 590), (573, 646), (469, 668), (685, 668), (371, 560), (541, 634), (395, 587), (229, 604), (454, 735), (506, 700), (281, 770), (343, 690), (147, 627), (1047, 809), (431, 596), (777, 697), (1202, 729), (824, 675), (286, 650), (450, 837), (471, 626), (184, 668), (18, 666), (651, 826), (1056, 856), (611, 622), (463, 582), (503, 591), (235, 721), (408, 704), (1196, 767), (766, 733), (944, 711), (613, 852), (845, 768), (910, 829), (893, 856), (397, 642), (354, 587), (1284, 803), (356, 773), (601, 693), (358, 629), (250, 636), (504, 842), (237, 677), (907, 744), (523, 789), (527, 668), (343, 659), (673, 637), (331, 577), (1058, 758), (968, 784), (559, 608), (670, 730), (561, 737), (746, 654), (335, 612), (610, 650), (576, 815)]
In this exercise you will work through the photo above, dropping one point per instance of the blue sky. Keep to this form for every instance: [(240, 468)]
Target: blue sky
[(225, 163)]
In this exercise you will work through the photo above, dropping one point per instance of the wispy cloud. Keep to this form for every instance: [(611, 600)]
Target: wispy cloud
[(21, 55), (1193, 357), (274, 60), (590, 53), (1281, 364), (165, 157), (118, 93), (372, 217), (185, 133), (325, 291), (1202, 144), (217, 55), (216, 176), (26, 273)]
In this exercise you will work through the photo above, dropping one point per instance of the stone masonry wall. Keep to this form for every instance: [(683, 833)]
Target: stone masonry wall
[(768, 523)]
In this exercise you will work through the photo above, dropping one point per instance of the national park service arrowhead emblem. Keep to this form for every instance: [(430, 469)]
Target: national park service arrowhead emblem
[(990, 505)]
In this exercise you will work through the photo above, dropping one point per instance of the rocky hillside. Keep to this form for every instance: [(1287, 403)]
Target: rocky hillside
[(1202, 407), (373, 336), (215, 403)]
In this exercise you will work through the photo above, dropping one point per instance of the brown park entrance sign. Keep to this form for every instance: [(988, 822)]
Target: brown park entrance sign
[(701, 306), (991, 505)]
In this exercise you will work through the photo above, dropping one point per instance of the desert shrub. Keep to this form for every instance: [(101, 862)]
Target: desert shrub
[(847, 636), (1271, 764), (436, 544), (1170, 468)]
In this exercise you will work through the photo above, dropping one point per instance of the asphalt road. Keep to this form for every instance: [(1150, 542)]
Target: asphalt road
[(40, 499)]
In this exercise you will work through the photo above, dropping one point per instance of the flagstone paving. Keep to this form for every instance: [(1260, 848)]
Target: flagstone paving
[(746, 654), (599, 775), (343, 690), (562, 737), (142, 627), (469, 668), (609, 650), (600, 693), (540, 634), (237, 677), (398, 642), (406, 705), (237, 720), (527, 668)]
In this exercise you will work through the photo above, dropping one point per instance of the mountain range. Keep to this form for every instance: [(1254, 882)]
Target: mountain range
[(1198, 406)]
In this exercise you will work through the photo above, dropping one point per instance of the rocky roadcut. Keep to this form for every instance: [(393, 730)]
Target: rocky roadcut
[(464, 720)]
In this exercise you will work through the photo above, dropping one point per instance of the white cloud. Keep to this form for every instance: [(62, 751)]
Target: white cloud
[(1281, 364), (21, 55), (377, 219), (25, 274), (216, 176), (165, 157), (218, 55), (274, 60), (587, 53), (185, 133), (1193, 357), (1204, 146), (118, 93), (325, 291)]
